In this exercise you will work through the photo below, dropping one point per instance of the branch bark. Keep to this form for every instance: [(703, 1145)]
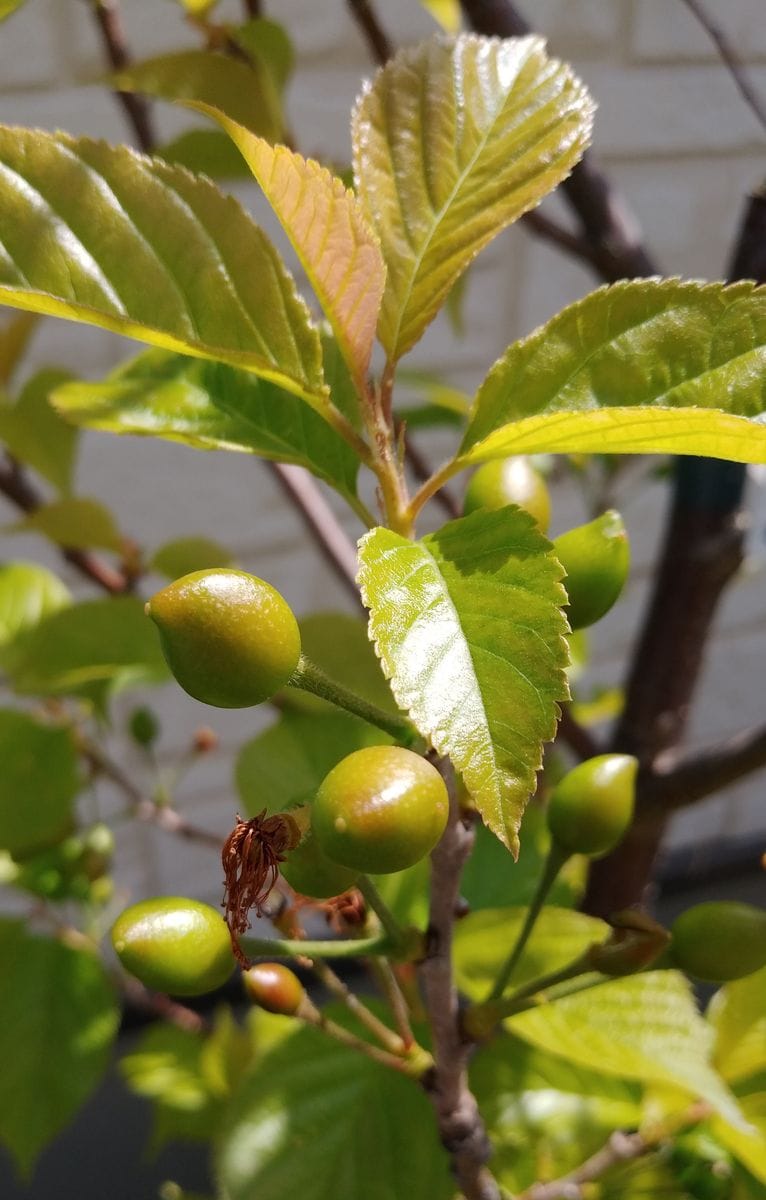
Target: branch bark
[(373, 32), (679, 780), (730, 59), (109, 20), (460, 1124)]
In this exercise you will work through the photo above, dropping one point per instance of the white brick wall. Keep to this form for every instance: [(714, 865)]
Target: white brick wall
[(675, 134)]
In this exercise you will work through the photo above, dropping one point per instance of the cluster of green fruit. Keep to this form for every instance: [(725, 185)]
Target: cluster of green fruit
[(231, 640), (76, 868)]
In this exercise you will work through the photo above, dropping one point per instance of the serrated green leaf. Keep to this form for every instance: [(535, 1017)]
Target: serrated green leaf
[(211, 406), (183, 555), (58, 1018), (35, 433), (287, 762), (314, 1118), (14, 339), (544, 1115), (108, 643), (738, 1016), (100, 234), (269, 43), (28, 592), (328, 231), (454, 140), (75, 522), (644, 1027), (38, 782), (643, 366), (7, 7), (242, 90), (467, 626), (207, 152)]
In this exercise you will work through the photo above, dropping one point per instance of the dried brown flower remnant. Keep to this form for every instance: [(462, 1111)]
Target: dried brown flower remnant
[(347, 912), (251, 856)]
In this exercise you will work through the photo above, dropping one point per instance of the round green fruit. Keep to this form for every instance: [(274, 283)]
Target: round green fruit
[(596, 558), (720, 940), (275, 988), (380, 810), (591, 808), (509, 481), (229, 638), (174, 945), (312, 873)]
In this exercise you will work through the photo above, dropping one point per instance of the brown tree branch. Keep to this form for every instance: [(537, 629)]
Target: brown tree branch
[(460, 1124), (621, 1148), (679, 779), (730, 59), (332, 540), (373, 32), (109, 20), (577, 737), (253, 8), (17, 487)]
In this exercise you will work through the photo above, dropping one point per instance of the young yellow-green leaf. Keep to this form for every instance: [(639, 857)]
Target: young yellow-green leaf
[(75, 522), (38, 782), (28, 592), (35, 433), (644, 1027), (321, 1122), (738, 1014), (446, 12), (211, 406), (100, 234), (58, 1018), (327, 228), (454, 140), (244, 91), (468, 628), (9, 6), (14, 339), (643, 366), (748, 1144), (184, 555)]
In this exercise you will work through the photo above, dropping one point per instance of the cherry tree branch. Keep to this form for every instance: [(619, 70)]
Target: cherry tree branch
[(460, 1124), (373, 32), (109, 20), (679, 779), (621, 1148), (730, 59), (16, 486)]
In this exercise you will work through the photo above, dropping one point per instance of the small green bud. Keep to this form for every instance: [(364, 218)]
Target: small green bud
[(591, 808), (275, 988), (144, 726), (720, 940), (596, 558)]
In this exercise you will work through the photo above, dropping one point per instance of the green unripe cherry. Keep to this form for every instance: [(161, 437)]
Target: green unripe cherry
[(596, 558), (591, 808), (311, 873), (381, 809), (229, 638), (720, 940), (275, 988), (509, 481), (174, 945)]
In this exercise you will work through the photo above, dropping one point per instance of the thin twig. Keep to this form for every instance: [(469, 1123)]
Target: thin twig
[(620, 1148), (730, 58), (577, 737), (544, 227), (16, 486), (388, 1039), (109, 20), (389, 985), (422, 471), (375, 35), (679, 779), (460, 1124), (160, 1006), (333, 541), (253, 8), (140, 806)]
